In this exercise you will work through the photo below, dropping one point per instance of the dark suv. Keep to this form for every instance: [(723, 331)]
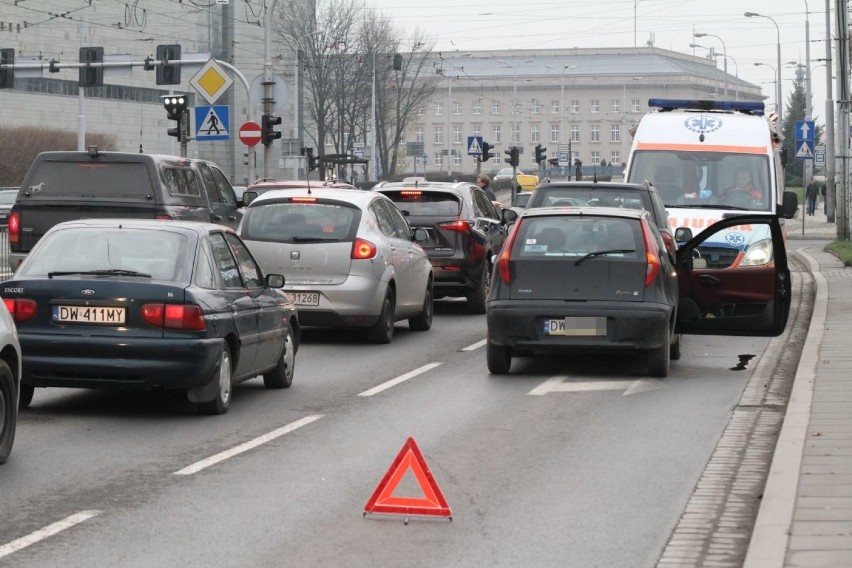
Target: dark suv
[(465, 230), (62, 186), (606, 194)]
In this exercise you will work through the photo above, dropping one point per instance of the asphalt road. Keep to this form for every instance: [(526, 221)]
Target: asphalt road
[(582, 461)]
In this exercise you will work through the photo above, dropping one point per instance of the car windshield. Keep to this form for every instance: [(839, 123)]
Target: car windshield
[(296, 221), (159, 254), (590, 197), (421, 202), (124, 180)]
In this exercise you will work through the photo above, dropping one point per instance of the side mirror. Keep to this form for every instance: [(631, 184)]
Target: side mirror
[(248, 197), (683, 234), (789, 205), (275, 280), (508, 216), (419, 235)]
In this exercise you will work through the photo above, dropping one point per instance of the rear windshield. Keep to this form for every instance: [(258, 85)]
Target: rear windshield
[(575, 236), (180, 181), (290, 221), (127, 180), (590, 197), (418, 202), (161, 254)]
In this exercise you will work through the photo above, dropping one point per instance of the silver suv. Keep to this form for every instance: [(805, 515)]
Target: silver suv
[(10, 381)]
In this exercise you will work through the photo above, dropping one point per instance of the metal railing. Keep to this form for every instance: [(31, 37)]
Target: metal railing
[(5, 271)]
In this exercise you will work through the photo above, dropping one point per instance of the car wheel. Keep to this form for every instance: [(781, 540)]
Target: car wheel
[(8, 410), (499, 359), (423, 320), (674, 350), (281, 376), (382, 331), (26, 396), (658, 358), (476, 298), (220, 403)]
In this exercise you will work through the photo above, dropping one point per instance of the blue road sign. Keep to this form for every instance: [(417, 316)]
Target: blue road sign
[(804, 149), (805, 130), (212, 123), (474, 145)]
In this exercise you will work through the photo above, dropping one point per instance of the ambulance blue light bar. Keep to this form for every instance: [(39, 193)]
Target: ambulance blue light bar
[(748, 107)]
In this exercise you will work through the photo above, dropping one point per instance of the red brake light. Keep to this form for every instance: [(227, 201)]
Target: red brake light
[(174, 316), (303, 200), (410, 193), (362, 250), (651, 254), (506, 253), (21, 309), (163, 217), (14, 228), (458, 225)]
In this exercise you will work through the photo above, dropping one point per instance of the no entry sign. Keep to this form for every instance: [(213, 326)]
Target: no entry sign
[(250, 133)]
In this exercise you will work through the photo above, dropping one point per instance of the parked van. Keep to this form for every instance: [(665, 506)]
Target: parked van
[(61, 186)]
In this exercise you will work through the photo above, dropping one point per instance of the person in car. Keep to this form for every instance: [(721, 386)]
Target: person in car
[(743, 183), (484, 183)]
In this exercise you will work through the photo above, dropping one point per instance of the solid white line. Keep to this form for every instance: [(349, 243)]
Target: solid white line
[(476, 345), (46, 532), (400, 379), (246, 446)]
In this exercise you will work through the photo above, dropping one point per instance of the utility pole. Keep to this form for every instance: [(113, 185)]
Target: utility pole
[(830, 165), (842, 50)]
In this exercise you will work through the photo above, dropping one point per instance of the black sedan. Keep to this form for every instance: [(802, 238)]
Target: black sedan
[(600, 279), (146, 304)]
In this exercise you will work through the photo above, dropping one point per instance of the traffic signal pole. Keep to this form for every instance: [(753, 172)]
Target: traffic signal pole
[(267, 78)]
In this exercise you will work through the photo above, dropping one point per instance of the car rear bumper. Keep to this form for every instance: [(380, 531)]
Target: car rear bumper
[(109, 362), (356, 302), (520, 325)]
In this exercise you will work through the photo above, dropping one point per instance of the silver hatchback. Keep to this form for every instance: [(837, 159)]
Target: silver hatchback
[(349, 258)]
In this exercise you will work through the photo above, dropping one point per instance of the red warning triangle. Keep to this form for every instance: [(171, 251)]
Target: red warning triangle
[(431, 503)]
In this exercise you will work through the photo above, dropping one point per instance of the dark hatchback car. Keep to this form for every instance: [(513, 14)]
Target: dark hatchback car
[(145, 304), (600, 280), (465, 230), (606, 194)]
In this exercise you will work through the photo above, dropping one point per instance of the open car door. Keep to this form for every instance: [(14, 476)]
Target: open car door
[(733, 279)]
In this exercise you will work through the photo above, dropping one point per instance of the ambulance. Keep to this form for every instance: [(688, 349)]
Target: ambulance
[(711, 160)]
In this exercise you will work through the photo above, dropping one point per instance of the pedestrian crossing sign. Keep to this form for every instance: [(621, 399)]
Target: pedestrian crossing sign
[(474, 145), (212, 123), (805, 150)]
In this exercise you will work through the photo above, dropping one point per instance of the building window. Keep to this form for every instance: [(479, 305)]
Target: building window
[(457, 134), (456, 108), (595, 105), (439, 135), (554, 106), (596, 157), (439, 109), (496, 159), (495, 107), (457, 159), (439, 159), (516, 108), (477, 129), (575, 133), (595, 133), (575, 106), (419, 111), (614, 105), (535, 107), (418, 134), (495, 134), (615, 133), (554, 133), (634, 105), (477, 106), (615, 157), (516, 133), (535, 134)]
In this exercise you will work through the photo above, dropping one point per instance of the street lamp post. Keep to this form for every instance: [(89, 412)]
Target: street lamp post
[(777, 100), (624, 118), (724, 53), (711, 54), (779, 103)]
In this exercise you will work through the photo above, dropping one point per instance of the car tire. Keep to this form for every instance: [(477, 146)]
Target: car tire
[(499, 359), (674, 350), (659, 360), (381, 332), (476, 298), (222, 400), (281, 376), (8, 410), (26, 396), (423, 320)]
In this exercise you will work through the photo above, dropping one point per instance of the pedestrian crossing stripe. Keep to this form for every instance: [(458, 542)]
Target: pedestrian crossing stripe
[(212, 123), (474, 147), (804, 150)]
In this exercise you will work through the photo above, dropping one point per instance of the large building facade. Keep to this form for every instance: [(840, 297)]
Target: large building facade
[(587, 98)]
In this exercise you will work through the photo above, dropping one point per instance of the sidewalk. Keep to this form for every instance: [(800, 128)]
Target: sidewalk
[(805, 517), (816, 226)]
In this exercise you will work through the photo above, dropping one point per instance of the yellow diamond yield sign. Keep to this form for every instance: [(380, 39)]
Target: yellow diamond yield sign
[(211, 81)]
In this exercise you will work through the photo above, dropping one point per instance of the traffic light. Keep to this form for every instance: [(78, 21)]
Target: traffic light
[(513, 156), (397, 62), (168, 73), (486, 152), (267, 133), (540, 154), (313, 161), (91, 76), (7, 76), (176, 106)]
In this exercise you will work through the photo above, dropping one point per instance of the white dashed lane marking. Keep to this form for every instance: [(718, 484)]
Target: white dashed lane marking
[(46, 532), (400, 379)]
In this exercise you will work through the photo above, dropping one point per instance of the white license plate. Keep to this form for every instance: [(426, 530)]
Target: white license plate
[(89, 314), (304, 298), (587, 326)]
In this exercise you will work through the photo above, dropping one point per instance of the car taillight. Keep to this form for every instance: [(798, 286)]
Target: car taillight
[(506, 253), (14, 228), (651, 254), (458, 225), (21, 309), (669, 241), (163, 217), (363, 250), (174, 316)]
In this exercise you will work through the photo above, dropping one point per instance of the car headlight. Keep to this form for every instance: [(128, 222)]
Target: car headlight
[(758, 254)]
